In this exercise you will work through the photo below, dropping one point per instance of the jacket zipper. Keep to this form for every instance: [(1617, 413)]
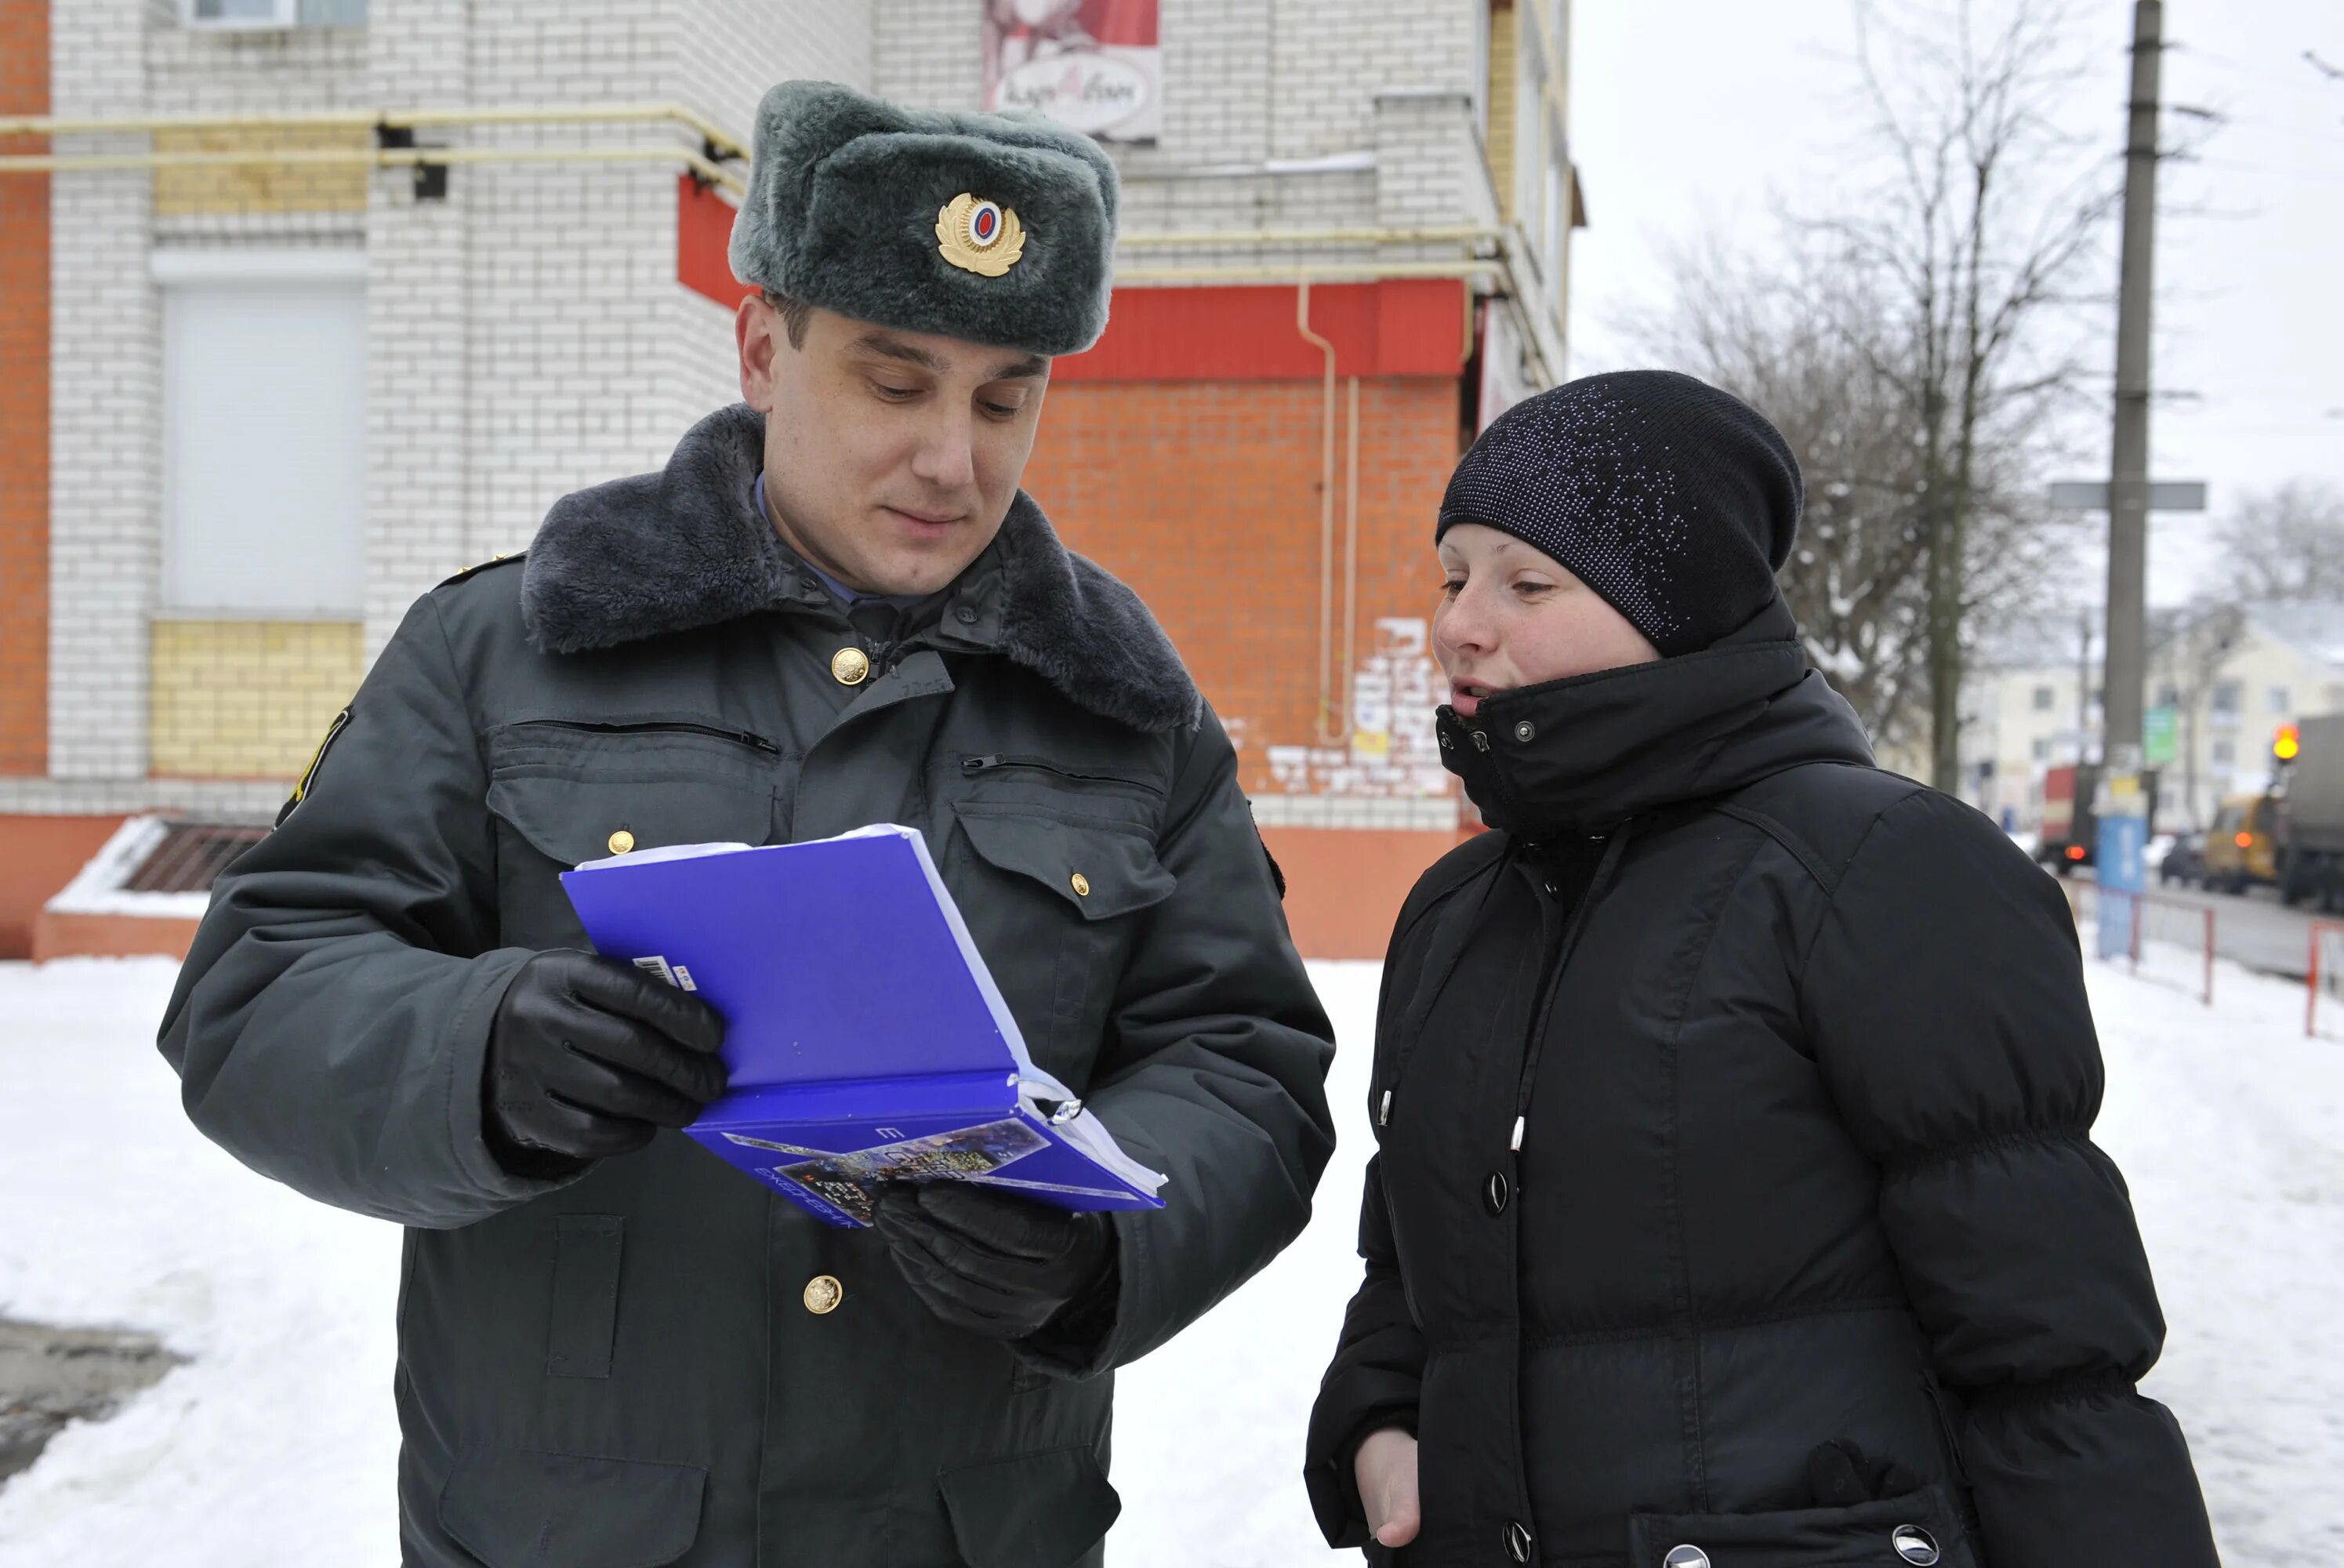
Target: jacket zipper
[(743, 737), (971, 767), (1616, 844)]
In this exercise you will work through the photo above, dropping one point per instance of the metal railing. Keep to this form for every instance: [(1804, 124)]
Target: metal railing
[(2170, 941), (2326, 943), (712, 161), (1478, 252)]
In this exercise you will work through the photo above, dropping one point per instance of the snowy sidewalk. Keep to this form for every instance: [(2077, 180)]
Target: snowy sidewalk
[(275, 1445)]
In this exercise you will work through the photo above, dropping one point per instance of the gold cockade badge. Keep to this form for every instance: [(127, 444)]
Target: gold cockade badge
[(980, 236)]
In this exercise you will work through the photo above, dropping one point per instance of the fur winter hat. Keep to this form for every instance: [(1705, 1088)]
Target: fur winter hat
[(1675, 501), (987, 228)]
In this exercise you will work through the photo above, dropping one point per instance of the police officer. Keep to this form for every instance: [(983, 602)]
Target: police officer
[(833, 607)]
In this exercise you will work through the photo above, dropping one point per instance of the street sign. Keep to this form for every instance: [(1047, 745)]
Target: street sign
[(2164, 495), (2159, 731)]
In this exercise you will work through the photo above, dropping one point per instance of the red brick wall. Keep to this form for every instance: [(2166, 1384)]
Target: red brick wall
[(38, 855), (1187, 454), (24, 401), (1205, 497)]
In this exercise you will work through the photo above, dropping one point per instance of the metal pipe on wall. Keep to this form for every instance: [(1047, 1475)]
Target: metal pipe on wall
[(706, 162), (723, 142), (1351, 557), (377, 157), (1326, 513)]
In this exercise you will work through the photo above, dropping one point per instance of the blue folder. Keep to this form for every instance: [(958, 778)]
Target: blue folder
[(866, 1039)]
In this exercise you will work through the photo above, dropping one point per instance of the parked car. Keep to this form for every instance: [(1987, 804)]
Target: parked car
[(2184, 861), (2239, 852)]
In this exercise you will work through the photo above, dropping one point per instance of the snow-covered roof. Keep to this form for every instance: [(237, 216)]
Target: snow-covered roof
[(2314, 630)]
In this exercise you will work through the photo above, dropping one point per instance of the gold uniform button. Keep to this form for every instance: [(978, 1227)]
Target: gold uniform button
[(622, 841), (822, 1294), (850, 666), (1082, 885)]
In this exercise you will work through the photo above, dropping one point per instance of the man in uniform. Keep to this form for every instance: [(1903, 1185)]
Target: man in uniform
[(833, 607)]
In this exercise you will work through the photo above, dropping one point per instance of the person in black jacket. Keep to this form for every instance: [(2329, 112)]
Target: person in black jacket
[(1734, 1203)]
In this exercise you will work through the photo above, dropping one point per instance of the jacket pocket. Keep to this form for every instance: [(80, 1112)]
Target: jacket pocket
[(563, 793), (585, 1321), (1039, 1510), (1047, 901), (568, 789), (1919, 1530), (1099, 873), (519, 1508)]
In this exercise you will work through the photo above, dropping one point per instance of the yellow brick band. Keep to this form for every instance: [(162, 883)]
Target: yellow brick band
[(249, 699)]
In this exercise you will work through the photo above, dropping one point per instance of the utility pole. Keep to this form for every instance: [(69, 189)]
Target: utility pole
[(2122, 829), (2127, 654)]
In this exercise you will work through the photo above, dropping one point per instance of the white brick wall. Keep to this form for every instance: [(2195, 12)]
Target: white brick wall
[(1429, 171), (927, 54), (229, 800), (419, 54), (105, 438), (1332, 56), (730, 51), (585, 358), (1217, 63), (1244, 80), (527, 334), (219, 71), (1247, 83)]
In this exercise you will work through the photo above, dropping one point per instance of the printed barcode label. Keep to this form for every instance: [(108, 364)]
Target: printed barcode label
[(655, 964)]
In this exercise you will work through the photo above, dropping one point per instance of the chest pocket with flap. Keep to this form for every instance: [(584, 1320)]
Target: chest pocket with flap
[(564, 792), (1052, 902)]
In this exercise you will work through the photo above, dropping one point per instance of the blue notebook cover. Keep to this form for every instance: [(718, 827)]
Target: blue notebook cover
[(865, 1037)]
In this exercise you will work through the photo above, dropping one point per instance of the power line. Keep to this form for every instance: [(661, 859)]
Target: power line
[(2323, 93), (2332, 138), (2284, 171)]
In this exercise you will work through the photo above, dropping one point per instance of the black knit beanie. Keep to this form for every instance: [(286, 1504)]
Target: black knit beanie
[(1675, 501)]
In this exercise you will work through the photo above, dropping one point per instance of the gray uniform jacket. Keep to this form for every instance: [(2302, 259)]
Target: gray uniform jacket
[(619, 1370)]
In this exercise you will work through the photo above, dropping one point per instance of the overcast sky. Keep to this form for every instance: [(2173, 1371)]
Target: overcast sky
[(1693, 114)]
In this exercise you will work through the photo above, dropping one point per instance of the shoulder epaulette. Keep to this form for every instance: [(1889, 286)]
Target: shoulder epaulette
[(492, 561)]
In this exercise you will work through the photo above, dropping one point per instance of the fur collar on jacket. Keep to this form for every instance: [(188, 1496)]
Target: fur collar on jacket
[(685, 547)]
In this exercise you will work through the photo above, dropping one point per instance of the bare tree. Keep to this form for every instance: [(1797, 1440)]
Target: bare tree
[(2286, 544), (1817, 347), (1916, 340), (1978, 232), (2188, 648), (1777, 333)]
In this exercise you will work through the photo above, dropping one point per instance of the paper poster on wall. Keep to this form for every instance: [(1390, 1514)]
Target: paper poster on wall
[(1090, 65)]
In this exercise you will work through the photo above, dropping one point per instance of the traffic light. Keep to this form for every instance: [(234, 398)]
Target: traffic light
[(2285, 744)]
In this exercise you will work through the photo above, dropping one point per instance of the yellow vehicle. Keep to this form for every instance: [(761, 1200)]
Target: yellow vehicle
[(2239, 851)]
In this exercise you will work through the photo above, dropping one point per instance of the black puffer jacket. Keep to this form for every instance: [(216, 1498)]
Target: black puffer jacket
[(1800, 1240)]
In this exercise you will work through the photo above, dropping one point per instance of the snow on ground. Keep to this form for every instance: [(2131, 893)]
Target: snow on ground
[(2225, 1122), (275, 1444)]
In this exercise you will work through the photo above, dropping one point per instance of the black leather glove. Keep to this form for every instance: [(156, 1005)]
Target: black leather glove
[(589, 1058), (991, 1263)]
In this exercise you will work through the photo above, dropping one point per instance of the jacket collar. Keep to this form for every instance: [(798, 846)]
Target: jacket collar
[(1584, 754), (685, 547)]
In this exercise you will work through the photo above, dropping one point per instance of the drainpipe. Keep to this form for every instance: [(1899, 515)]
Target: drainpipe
[(1351, 554), (1321, 720)]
